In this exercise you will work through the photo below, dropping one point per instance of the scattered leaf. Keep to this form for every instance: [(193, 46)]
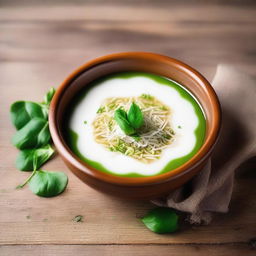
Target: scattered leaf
[(78, 218), (48, 184), (161, 220)]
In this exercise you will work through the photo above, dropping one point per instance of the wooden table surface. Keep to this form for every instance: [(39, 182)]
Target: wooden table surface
[(42, 42)]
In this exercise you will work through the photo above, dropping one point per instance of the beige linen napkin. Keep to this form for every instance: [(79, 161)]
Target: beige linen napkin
[(211, 190)]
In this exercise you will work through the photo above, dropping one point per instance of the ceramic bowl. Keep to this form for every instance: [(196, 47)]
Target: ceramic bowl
[(137, 187)]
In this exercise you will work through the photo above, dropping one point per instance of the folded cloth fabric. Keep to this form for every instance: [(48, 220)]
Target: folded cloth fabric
[(211, 190)]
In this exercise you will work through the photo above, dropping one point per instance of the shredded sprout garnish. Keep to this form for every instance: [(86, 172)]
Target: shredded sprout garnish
[(153, 137)]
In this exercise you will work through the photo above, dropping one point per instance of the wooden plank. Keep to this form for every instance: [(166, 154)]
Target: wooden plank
[(16, 3), (124, 12), (124, 250), (218, 34), (27, 219)]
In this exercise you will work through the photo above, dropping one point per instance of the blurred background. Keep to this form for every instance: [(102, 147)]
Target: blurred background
[(51, 38)]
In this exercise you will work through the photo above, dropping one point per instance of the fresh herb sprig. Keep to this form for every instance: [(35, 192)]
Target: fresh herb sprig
[(33, 139), (130, 122)]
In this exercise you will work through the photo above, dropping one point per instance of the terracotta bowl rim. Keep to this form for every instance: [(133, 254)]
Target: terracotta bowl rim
[(195, 161)]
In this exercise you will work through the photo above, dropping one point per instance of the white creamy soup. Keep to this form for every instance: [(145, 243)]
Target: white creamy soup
[(184, 124)]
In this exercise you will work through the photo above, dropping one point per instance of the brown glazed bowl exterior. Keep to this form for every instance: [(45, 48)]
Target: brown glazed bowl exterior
[(137, 187)]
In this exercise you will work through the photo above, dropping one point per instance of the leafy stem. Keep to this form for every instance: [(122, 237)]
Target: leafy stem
[(45, 108), (32, 174), (27, 180)]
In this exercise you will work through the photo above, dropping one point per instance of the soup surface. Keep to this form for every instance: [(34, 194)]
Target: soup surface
[(170, 126)]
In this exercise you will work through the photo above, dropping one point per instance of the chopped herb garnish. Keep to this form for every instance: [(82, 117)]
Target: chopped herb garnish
[(101, 110), (85, 122), (164, 108), (110, 125), (179, 126), (121, 147), (147, 96), (167, 136), (78, 218), (112, 106)]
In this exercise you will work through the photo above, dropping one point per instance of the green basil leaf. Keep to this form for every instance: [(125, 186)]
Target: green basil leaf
[(44, 135), (135, 116), (34, 134), (23, 111), (25, 159), (48, 97), (48, 184), (161, 220), (121, 118)]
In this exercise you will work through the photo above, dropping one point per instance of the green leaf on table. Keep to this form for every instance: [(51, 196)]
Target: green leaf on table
[(48, 184), (161, 220), (135, 116), (48, 96), (26, 158), (32, 137), (44, 136), (34, 134), (121, 118), (24, 111)]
